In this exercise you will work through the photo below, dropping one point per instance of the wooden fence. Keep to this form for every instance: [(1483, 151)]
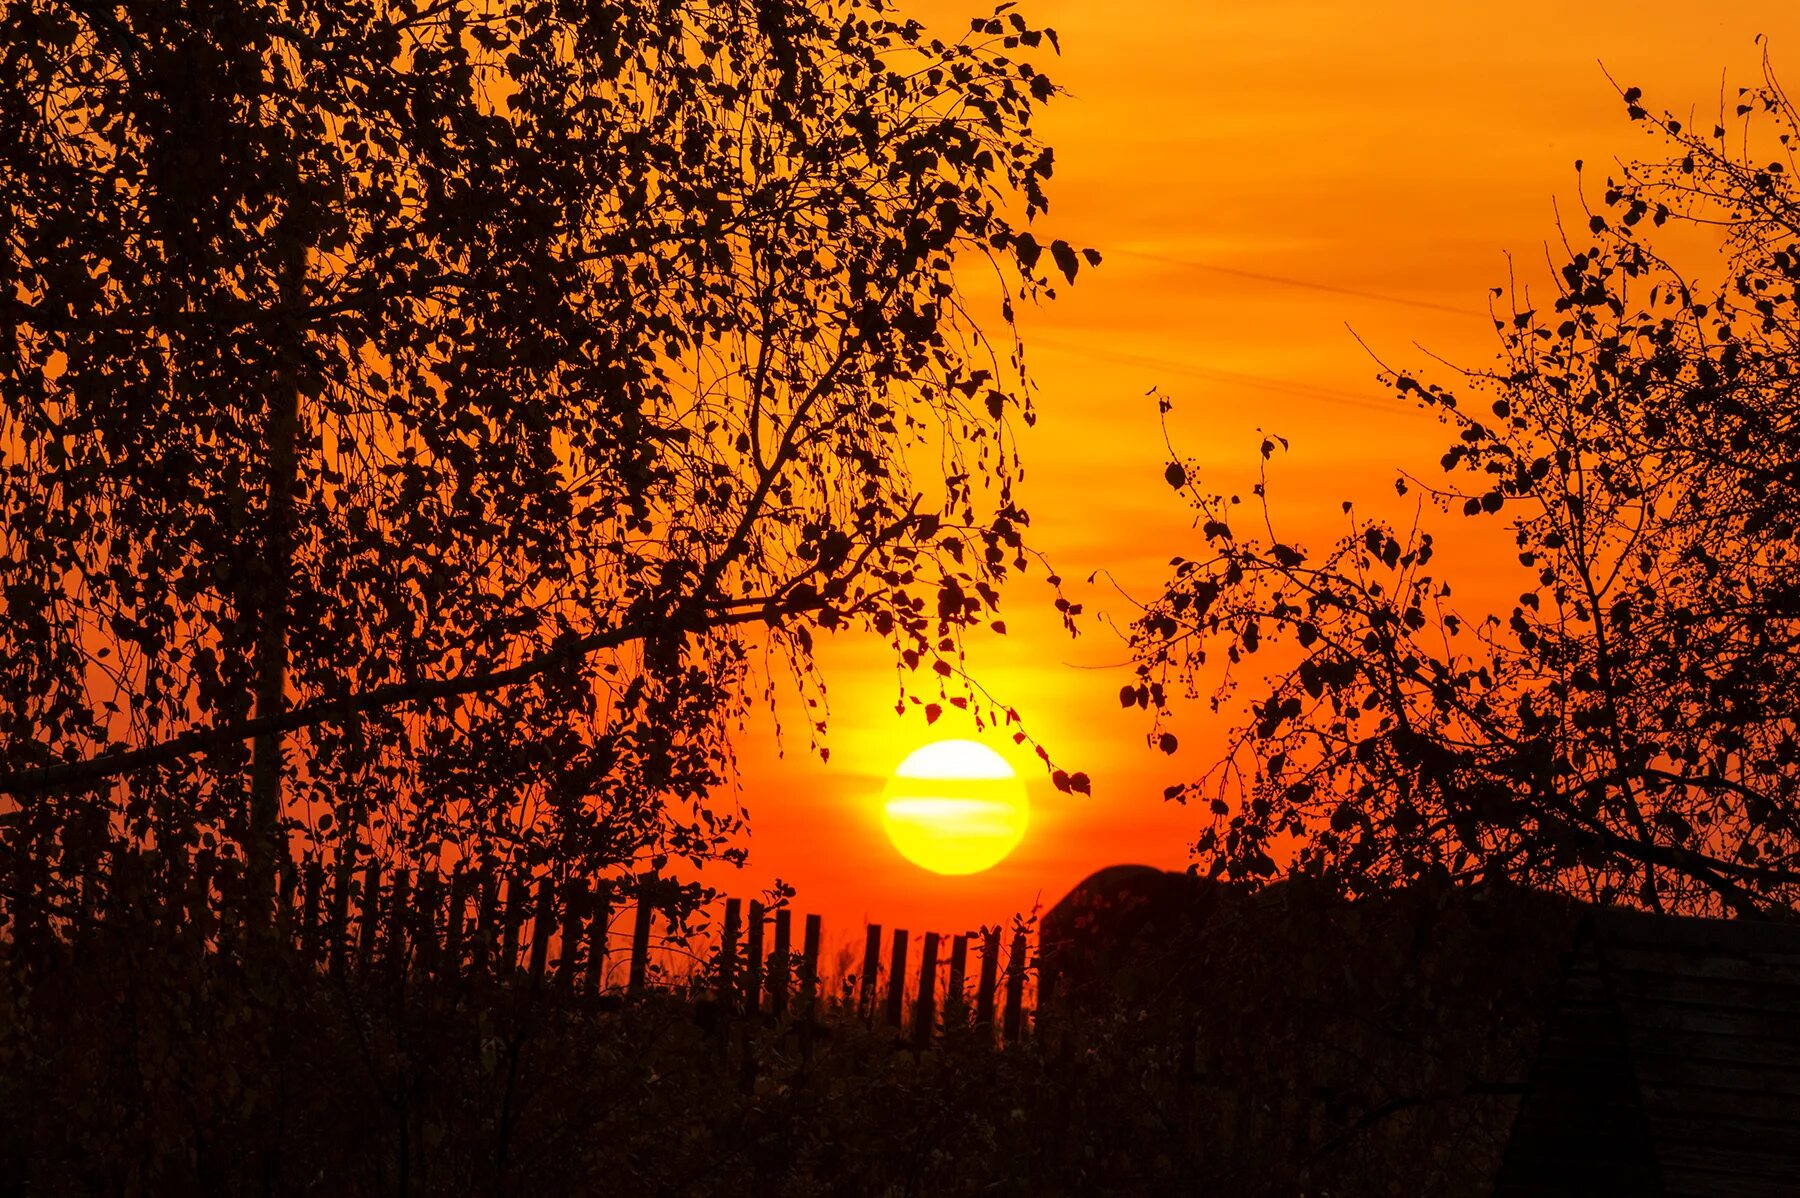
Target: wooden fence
[(353, 919)]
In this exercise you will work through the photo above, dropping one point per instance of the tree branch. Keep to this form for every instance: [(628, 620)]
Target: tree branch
[(327, 710)]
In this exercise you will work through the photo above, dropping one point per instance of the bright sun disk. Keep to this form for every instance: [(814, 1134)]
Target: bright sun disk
[(955, 807)]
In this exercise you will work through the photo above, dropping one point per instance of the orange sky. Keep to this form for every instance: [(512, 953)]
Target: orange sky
[(1398, 149)]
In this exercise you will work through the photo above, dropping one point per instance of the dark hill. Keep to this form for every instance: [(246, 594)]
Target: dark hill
[(1322, 1040)]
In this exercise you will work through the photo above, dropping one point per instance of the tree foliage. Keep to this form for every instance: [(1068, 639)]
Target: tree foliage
[(1626, 731), (444, 418)]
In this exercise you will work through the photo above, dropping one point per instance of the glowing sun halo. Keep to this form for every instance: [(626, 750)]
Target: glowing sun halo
[(955, 807)]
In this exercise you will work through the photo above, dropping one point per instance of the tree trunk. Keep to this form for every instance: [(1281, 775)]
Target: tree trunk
[(283, 433)]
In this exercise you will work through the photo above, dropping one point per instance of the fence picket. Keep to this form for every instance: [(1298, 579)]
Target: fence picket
[(482, 938), (1015, 989), (575, 898), (151, 898), (30, 903), (399, 909), (728, 948), (896, 994), (640, 944), (809, 965), (370, 920), (425, 920), (955, 1002), (599, 933), (871, 968), (229, 874), (419, 924), (809, 986), (285, 915), (309, 911), (512, 917), (111, 872), (780, 964), (175, 887), (925, 1015), (541, 921), (990, 968), (753, 980), (87, 909), (340, 904), (200, 904), (454, 920)]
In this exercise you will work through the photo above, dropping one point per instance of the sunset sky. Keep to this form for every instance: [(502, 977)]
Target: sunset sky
[(1257, 175)]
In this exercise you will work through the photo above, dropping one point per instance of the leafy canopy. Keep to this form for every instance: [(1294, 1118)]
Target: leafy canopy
[(466, 409), (1626, 731)]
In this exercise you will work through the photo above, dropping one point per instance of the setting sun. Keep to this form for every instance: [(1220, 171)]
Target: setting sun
[(955, 807)]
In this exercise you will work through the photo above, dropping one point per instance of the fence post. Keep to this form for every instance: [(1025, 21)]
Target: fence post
[(809, 986), (925, 1017), (896, 978), (200, 904), (871, 967), (728, 947), (340, 904), (120, 880), (599, 932), (454, 916), (809, 965), (574, 910), (371, 913), (175, 889), (990, 969), (425, 918), (309, 911), (541, 922), (753, 978), (290, 885), (102, 875), (753, 994), (398, 909), (512, 916), (956, 1007), (17, 911), (175, 897), (1015, 988), (155, 909), (87, 902), (515, 912), (229, 874), (780, 964), (640, 943), (485, 916)]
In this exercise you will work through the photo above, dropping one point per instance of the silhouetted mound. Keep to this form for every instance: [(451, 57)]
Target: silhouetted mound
[(1322, 1043), (1125, 931)]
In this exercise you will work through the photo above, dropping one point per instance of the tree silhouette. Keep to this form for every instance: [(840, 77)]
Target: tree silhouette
[(437, 422), (1626, 731)]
